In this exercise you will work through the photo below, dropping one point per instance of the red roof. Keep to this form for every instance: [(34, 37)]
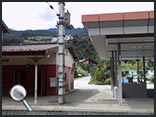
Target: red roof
[(118, 16)]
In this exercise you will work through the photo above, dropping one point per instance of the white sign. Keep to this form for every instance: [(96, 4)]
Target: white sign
[(53, 82)]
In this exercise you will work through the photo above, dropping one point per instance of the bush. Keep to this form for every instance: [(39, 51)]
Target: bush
[(108, 74), (81, 71), (100, 74), (94, 81), (130, 79), (107, 81)]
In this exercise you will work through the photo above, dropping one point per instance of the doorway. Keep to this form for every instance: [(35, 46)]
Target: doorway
[(41, 83), (19, 77)]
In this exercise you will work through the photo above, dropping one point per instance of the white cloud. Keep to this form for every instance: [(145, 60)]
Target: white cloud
[(38, 15), (22, 16)]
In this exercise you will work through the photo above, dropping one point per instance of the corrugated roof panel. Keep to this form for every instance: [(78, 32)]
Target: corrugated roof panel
[(20, 48)]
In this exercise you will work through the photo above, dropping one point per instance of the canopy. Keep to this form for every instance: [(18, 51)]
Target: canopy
[(134, 31)]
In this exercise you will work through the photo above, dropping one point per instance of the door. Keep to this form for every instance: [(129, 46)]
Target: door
[(19, 77), (42, 82)]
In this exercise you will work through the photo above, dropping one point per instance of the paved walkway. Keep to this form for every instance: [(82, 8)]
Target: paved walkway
[(90, 98)]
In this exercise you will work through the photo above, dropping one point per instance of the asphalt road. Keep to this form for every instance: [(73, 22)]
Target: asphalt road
[(82, 83)]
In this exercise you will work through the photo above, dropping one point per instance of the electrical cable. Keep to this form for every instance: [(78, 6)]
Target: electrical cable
[(52, 8)]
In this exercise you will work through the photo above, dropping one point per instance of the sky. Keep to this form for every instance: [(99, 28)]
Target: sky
[(38, 15)]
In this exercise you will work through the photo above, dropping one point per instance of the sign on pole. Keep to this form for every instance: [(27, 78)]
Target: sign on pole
[(150, 63)]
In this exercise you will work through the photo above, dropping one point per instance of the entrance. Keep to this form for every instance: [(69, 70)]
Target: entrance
[(41, 83), (19, 77)]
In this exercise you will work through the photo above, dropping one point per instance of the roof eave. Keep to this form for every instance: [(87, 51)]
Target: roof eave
[(5, 28)]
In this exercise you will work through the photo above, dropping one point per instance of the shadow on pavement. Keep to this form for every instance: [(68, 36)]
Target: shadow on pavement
[(139, 103), (79, 96)]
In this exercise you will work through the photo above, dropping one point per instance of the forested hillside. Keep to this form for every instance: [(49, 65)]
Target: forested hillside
[(80, 41), (83, 47), (48, 32)]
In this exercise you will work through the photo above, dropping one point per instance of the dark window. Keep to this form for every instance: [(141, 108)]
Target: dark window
[(19, 77)]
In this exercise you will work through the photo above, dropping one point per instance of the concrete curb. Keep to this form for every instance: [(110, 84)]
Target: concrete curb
[(76, 109)]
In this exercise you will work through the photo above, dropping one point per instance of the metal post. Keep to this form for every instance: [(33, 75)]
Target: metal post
[(138, 70), (119, 74), (36, 69), (112, 71), (61, 59), (144, 70), (111, 74), (116, 81)]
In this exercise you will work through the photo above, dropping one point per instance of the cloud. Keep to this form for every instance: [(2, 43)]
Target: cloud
[(38, 15), (22, 16), (48, 15)]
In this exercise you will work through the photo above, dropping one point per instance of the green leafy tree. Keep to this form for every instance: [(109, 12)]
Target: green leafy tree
[(100, 74)]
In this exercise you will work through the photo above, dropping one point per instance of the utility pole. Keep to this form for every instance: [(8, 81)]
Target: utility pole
[(61, 57), (63, 23)]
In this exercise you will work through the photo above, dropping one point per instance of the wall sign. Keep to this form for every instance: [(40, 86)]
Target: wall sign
[(53, 82), (119, 58)]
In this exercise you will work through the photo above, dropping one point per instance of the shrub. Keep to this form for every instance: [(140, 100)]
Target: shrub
[(130, 79), (81, 71), (108, 74), (94, 81), (107, 81), (100, 74)]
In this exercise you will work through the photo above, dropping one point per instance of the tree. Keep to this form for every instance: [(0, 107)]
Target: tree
[(100, 74)]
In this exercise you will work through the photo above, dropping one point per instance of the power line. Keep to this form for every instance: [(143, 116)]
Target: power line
[(53, 8)]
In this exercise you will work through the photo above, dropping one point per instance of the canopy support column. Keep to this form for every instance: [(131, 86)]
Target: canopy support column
[(115, 66), (36, 60), (119, 74), (144, 70), (112, 71), (36, 75), (138, 70)]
